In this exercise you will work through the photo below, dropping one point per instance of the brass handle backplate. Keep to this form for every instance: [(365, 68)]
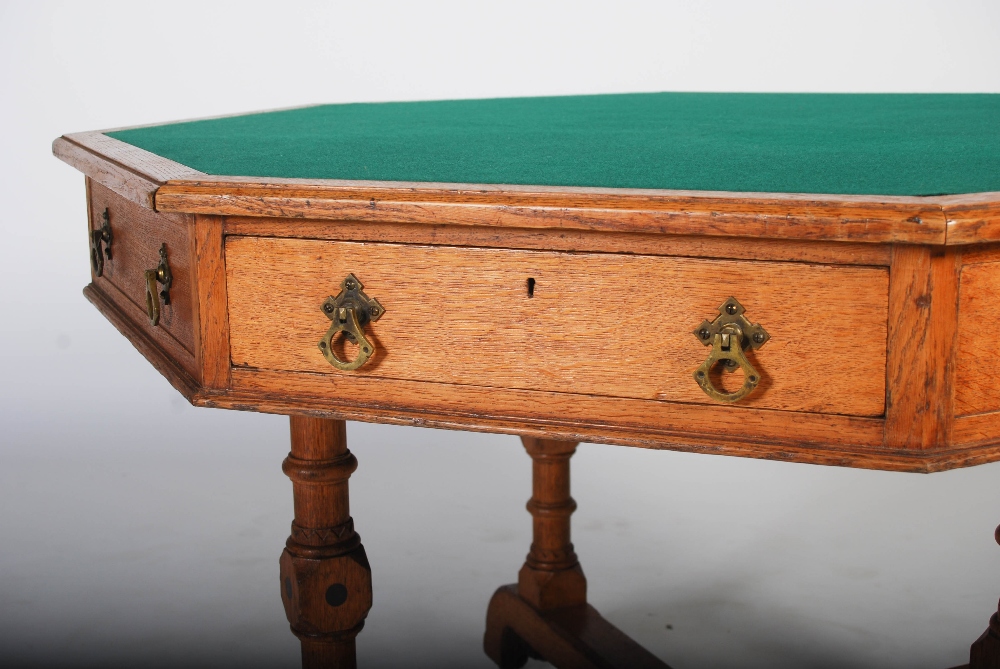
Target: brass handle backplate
[(729, 335), (155, 296), (102, 237), (350, 311)]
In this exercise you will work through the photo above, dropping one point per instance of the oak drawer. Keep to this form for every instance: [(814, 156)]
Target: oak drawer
[(137, 236), (609, 325)]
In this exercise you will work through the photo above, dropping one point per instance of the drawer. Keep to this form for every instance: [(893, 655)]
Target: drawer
[(611, 325), (137, 236)]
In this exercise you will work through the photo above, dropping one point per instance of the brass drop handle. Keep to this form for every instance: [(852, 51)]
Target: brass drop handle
[(349, 312), (155, 296), (729, 335), (102, 237)]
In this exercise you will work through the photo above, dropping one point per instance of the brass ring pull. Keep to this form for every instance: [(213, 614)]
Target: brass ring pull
[(729, 334), (102, 237), (154, 294), (350, 311)]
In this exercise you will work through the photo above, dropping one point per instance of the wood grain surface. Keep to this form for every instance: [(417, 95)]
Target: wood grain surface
[(920, 370), (167, 355), (980, 253), (600, 324), (780, 216), (127, 170), (562, 410), (212, 314), (138, 234), (979, 340), (701, 246), (980, 429), (109, 174), (973, 219)]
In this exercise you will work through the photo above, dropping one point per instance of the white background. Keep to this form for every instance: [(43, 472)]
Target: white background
[(138, 531)]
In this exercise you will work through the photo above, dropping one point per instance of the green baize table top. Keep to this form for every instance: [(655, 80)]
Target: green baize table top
[(851, 144)]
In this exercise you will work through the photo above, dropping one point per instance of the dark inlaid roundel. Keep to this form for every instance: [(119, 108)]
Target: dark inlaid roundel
[(336, 594)]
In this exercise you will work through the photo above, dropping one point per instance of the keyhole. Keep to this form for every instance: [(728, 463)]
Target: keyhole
[(531, 287)]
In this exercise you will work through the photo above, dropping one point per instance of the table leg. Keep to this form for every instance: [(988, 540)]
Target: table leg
[(546, 615), (326, 583), (985, 652)]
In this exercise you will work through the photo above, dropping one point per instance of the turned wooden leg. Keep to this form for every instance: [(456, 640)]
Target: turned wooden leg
[(985, 652), (546, 614), (326, 582), (551, 577)]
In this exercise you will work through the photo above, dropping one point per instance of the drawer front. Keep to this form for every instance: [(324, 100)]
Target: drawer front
[(138, 234), (976, 392), (599, 324)]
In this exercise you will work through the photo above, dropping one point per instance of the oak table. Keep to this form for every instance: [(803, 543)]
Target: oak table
[(810, 278)]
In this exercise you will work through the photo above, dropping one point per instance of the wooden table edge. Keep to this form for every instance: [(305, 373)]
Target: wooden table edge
[(164, 185)]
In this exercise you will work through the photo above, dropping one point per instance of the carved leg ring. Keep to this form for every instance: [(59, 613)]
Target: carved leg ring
[(985, 652), (326, 583)]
